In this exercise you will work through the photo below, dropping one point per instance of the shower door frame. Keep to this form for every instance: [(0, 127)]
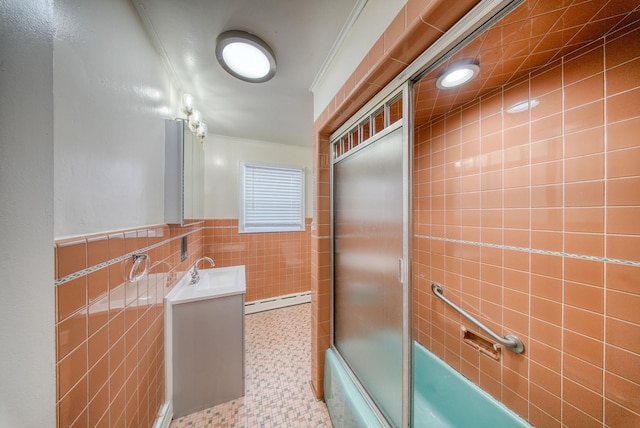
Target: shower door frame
[(406, 123), (480, 18)]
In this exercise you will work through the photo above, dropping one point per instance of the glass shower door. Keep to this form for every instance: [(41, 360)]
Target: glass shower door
[(368, 250)]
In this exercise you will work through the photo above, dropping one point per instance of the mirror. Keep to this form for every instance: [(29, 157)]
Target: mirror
[(193, 177), (184, 174)]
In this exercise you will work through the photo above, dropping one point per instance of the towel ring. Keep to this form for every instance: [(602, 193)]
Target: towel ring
[(137, 261)]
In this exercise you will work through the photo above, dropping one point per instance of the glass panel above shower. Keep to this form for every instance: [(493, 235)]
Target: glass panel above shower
[(372, 124)]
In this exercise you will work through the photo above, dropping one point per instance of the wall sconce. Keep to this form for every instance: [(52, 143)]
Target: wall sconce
[(194, 117), (187, 104), (202, 130), (194, 120)]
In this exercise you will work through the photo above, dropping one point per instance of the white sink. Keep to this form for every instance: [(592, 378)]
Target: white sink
[(216, 282)]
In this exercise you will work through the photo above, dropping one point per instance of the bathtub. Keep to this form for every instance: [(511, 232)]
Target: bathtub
[(442, 397)]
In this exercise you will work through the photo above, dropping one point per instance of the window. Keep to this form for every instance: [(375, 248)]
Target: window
[(271, 198)]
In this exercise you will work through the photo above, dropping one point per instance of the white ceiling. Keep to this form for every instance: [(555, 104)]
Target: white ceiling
[(301, 34)]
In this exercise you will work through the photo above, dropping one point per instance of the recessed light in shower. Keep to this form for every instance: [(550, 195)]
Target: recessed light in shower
[(458, 74), (245, 56)]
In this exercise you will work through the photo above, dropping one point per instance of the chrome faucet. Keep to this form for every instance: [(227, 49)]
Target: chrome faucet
[(195, 275)]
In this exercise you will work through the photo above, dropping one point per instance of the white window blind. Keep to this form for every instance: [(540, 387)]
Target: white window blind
[(272, 198)]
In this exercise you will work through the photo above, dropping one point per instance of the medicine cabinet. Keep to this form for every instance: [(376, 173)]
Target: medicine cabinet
[(183, 174)]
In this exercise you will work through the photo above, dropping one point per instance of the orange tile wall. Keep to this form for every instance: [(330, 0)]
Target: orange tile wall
[(110, 331), (530, 222), (321, 259), (276, 263)]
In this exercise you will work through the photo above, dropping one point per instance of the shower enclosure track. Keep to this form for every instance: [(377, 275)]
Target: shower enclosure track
[(510, 341)]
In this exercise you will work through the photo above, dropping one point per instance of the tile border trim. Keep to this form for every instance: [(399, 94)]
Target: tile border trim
[(533, 250), (119, 259)]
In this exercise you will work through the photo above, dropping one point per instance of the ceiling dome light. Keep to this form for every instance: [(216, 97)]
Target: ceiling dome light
[(245, 56), (458, 74)]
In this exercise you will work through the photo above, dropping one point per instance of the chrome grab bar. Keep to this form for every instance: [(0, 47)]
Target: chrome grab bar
[(510, 341)]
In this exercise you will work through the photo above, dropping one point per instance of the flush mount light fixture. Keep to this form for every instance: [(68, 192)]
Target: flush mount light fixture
[(245, 56), (458, 74), (523, 106)]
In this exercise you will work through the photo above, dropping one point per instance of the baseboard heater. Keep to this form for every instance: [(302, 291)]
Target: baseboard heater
[(277, 302)]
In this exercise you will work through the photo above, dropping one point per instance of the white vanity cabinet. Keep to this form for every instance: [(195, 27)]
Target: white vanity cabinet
[(205, 340)]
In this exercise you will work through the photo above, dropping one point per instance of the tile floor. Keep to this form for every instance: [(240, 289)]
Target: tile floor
[(277, 364)]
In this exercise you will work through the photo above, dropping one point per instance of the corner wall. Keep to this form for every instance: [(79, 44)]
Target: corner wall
[(27, 368), (364, 32), (277, 263), (222, 170), (529, 222)]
